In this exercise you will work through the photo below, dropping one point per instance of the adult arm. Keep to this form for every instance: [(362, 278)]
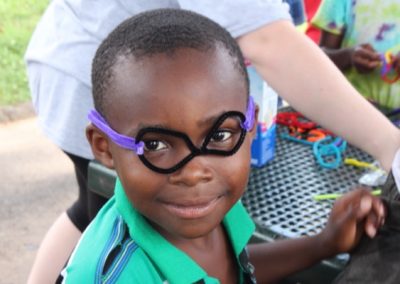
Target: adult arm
[(304, 76)]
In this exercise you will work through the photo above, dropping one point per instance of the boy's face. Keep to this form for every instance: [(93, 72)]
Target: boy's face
[(185, 92)]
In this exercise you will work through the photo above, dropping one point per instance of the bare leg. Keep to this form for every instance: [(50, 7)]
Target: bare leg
[(54, 251)]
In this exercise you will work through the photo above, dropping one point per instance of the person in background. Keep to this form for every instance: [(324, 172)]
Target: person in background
[(59, 57), (363, 39), (179, 138)]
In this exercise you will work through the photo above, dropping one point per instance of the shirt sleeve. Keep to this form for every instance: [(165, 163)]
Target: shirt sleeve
[(240, 16), (396, 169), (331, 16)]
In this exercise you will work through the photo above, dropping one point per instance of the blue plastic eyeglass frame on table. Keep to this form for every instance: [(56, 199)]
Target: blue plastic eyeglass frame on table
[(329, 146), (324, 148)]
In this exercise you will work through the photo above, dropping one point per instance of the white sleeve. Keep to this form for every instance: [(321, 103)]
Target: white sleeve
[(239, 16), (396, 169)]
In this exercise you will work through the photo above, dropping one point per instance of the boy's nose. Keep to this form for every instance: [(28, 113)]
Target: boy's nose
[(194, 172)]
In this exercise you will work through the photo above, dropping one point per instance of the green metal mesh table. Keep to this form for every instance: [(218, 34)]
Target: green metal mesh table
[(279, 198)]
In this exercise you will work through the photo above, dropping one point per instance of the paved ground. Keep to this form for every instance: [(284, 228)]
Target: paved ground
[(36, 184)]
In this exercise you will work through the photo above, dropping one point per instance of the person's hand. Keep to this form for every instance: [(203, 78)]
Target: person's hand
[(353, 214), (364, 58)]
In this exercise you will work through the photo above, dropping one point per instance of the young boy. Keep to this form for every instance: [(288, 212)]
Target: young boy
[(174, 119)]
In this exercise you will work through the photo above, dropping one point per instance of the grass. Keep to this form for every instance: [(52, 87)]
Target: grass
[(18, 19)]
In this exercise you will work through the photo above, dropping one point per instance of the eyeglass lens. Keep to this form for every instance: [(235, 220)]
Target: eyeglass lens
[(166, 150)]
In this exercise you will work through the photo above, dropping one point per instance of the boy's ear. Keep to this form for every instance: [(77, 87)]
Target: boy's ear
[(100, 146)]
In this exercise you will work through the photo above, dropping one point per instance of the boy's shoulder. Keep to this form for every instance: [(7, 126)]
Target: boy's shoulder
[(105, 250)]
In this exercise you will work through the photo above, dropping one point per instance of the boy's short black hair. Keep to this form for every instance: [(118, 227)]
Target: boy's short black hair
[(155, 32)]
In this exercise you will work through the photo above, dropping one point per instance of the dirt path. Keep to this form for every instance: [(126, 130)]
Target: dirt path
[(36, 184)]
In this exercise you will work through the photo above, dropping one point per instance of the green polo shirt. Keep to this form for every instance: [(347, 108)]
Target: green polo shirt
[(120, 246)]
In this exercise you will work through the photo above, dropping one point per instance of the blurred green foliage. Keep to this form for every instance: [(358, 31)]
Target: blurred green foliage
[(18, 19)]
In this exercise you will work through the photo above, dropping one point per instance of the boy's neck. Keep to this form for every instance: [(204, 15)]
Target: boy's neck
[(203, 243), (212, 252)]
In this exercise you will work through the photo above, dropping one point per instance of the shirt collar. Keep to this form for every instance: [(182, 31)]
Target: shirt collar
[(174, 264)]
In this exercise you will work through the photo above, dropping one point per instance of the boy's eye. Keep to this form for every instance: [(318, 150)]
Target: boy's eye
[(220, 136), (154, 145)]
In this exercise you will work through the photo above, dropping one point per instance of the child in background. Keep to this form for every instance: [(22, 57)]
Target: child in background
[(174, 119), (356, 35)]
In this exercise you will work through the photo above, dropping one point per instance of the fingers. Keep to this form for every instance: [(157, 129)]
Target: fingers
[(367, 51), (375, 218), (362, 207), (367, 63), (365, 58), (371, 225), (354, 214), (357, 201), (379, 209), (365, 205)]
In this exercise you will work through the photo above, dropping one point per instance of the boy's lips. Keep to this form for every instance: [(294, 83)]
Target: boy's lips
[(192, 210)]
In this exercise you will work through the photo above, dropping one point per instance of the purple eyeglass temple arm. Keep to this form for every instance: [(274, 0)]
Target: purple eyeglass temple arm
[(250, 115), (138, 147), (121, 140)]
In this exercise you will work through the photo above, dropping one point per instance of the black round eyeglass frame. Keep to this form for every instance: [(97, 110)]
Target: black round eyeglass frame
[(194, 151)]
